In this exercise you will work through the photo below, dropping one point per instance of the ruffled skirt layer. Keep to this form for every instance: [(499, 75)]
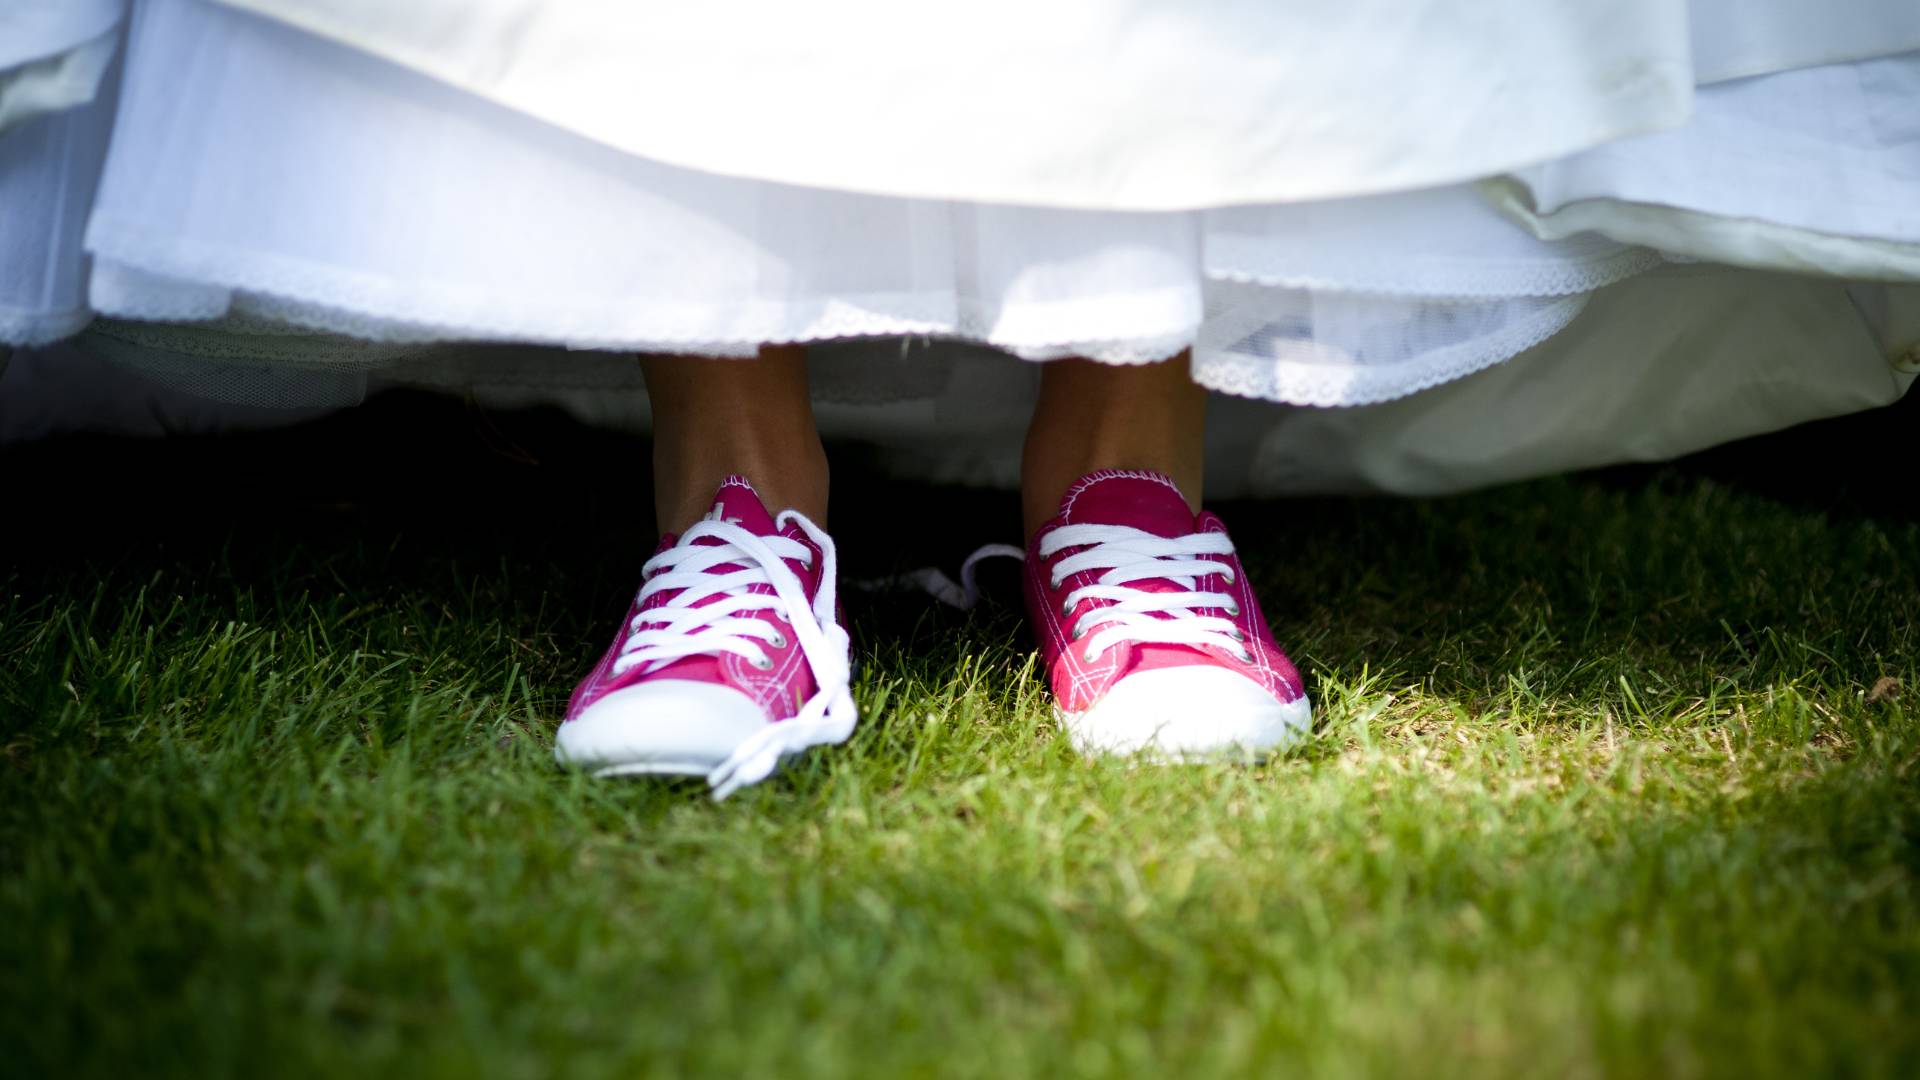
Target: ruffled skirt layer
[(261, 175)]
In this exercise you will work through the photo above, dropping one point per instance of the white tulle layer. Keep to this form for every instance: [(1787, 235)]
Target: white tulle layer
[(1667, 362), (260, 171), (49, 169)]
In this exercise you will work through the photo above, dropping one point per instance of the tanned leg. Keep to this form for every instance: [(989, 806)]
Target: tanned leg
[(1109, 416), (716, 417)]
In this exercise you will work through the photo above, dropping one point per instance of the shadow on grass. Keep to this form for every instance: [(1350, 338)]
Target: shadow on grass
[(1778, 559), (1598, 785)]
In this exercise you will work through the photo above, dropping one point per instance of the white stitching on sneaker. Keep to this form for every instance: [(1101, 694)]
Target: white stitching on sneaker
[(1081, 485)]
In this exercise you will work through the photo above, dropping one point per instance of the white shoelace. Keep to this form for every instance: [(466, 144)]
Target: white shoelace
[(684, 627), (1136, 615), (933, 581)]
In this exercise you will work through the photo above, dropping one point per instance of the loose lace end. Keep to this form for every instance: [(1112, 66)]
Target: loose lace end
[(962, 595)]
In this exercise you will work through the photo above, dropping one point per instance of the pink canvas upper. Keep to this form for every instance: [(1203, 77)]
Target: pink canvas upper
[(780, 689), (1150, 502)]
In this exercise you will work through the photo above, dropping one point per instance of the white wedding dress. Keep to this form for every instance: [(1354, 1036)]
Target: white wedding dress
[(1483, 240)]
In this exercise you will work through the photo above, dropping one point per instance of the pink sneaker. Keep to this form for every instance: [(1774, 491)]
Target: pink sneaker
[(1151, 636), (732, 655)]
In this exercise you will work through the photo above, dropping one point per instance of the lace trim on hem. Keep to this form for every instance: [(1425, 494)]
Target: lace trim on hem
[(835, 319), (362, 306), (1121, 352), (1467, 280), (1297, 382), (339, 302), (273, 285)]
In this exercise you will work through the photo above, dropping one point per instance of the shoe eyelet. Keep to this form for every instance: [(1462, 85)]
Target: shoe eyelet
[(1088, 657), (1230, 575), (1233, 608), (1066, 609), (1053, 583), (764, 663), (1237, 634), (779, 640), (1078, 633), (1245, 655)]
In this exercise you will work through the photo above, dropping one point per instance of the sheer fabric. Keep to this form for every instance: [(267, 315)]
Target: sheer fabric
[(285, 219)]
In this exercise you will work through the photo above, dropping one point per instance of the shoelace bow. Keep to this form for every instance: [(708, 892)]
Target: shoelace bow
[(683, 626), (1133, 615)]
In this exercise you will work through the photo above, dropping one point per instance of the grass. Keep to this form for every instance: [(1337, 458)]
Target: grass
[(1603, 787)]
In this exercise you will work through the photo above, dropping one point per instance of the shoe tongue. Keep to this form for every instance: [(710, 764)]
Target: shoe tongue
[(1148, 501), (1144, 500), (736, 502)]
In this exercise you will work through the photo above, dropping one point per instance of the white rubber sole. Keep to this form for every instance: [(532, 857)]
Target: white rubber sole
[(1188, 715), (664, 728)]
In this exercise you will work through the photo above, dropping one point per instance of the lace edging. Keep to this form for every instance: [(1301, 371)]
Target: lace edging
[(1081, 485), (1489, 280), (1293, 382), (325, 299)]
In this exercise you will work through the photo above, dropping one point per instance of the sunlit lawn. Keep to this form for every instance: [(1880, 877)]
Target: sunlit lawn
[(1604, 785)]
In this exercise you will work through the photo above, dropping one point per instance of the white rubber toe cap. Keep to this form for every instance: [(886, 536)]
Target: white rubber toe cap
[(1194, 712), (672, 726)]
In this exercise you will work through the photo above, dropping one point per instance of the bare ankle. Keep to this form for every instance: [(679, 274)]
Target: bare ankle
[(790, 479), (1092, 416), (717, 418)]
